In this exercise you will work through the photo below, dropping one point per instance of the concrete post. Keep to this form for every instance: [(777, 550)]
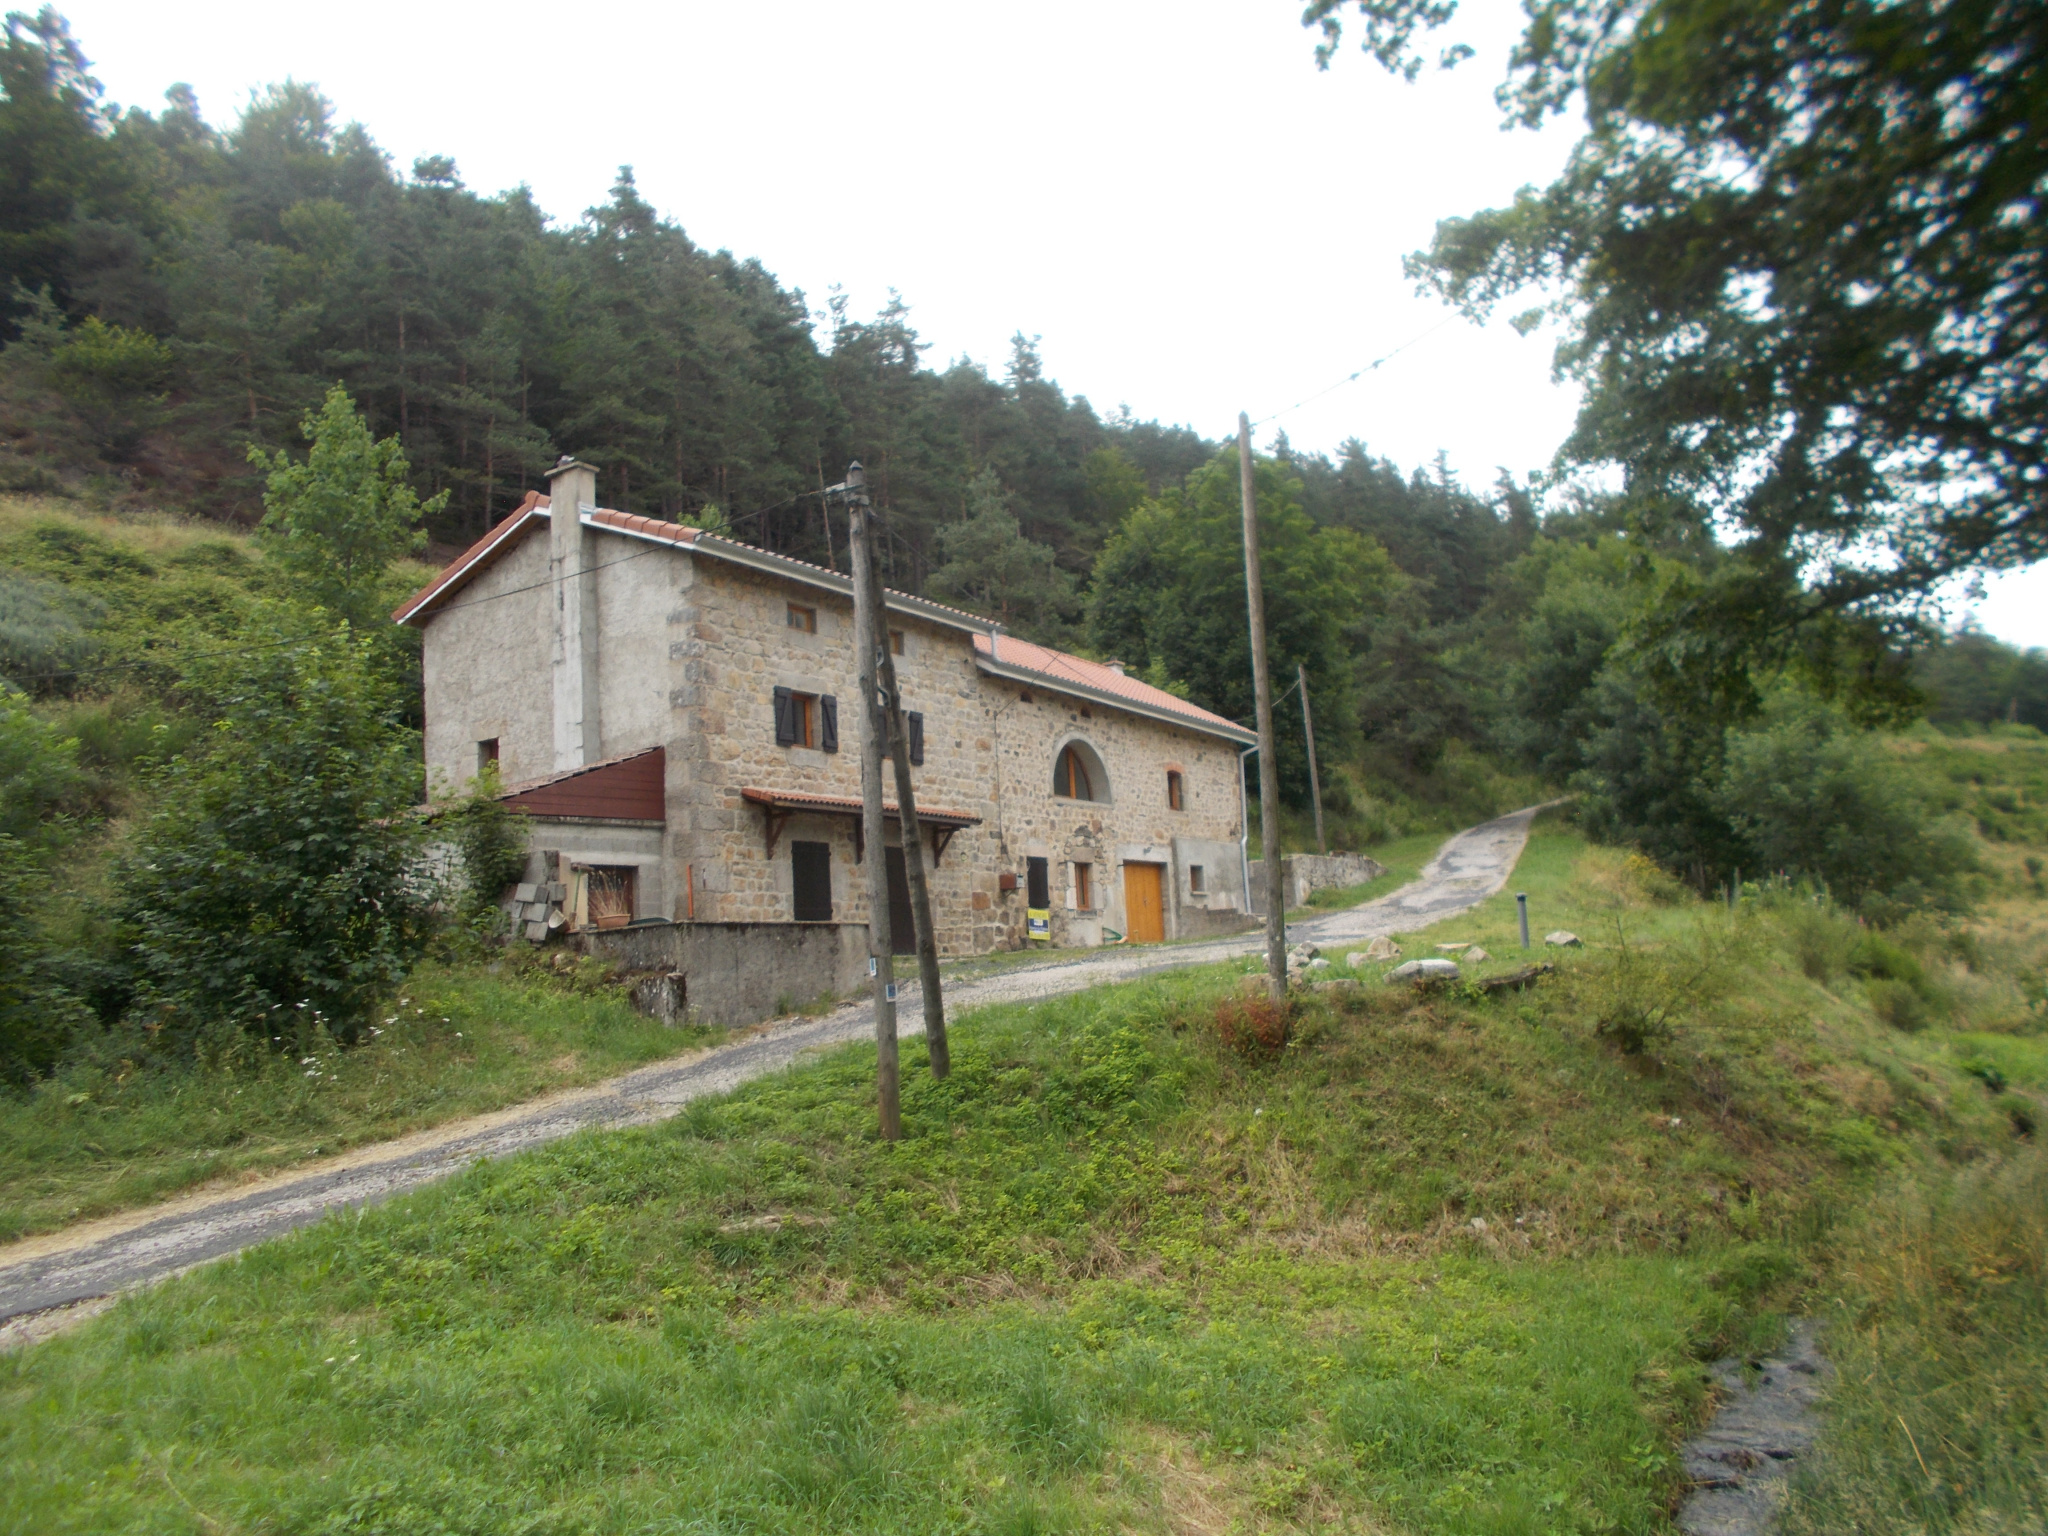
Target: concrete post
[(572, 575)]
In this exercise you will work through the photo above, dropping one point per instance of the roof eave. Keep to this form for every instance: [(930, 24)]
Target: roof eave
[(425, 603), (1034, 679)]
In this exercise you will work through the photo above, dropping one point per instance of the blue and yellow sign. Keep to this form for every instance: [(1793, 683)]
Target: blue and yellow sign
[(1038, 924)]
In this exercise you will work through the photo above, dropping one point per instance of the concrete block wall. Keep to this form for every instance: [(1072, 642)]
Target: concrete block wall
[(740, 973), (1303, 873)]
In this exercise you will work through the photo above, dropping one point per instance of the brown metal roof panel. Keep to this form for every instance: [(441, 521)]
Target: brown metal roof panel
[(629, 788)]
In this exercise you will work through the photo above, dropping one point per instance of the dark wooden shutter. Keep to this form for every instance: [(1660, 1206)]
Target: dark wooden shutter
[(785, 718), (810, 867), (916, 737), (828, 723)]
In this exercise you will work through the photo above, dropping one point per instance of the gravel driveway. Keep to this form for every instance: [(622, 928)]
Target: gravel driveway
[(63, 1270)]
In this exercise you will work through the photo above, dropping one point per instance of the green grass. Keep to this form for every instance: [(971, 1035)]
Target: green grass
[(1938, 1325), (1402, 859), (465, 1040), (1114, 1277)]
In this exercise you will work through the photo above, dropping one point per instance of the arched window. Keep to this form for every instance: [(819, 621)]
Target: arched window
[(1078, 774)]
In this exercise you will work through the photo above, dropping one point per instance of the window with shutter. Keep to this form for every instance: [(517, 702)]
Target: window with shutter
[(785, 718), (916, 724), (828, 723)]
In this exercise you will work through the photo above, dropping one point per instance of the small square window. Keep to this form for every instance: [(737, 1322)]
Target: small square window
[(1176, 792), (802, 618), (1084, 887), (487, 753), (895, 642), (1198, 880)]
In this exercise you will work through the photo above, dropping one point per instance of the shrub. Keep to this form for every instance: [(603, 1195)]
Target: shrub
[(40, 785), (282, 874), (1809, 795), (1986, 1071), (489, 843), (1897, 1003), (1254, 1027), (38, 1017), (43, 638), (1823, 939), (1635, 999)]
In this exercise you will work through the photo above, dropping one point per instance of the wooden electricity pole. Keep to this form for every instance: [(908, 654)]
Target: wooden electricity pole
[(1308, 729), (1262, 685), (873, 724), (910, 830)]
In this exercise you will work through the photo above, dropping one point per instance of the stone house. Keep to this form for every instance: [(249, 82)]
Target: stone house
[(677, 714)]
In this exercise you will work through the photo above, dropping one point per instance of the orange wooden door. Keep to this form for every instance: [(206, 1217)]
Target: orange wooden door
[(1144, 912)]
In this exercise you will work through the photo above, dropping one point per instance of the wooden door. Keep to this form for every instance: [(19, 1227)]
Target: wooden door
[(1144, 911), (902, 926)]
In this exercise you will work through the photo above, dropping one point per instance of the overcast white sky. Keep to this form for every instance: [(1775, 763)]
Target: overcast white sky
[(1193, 218)]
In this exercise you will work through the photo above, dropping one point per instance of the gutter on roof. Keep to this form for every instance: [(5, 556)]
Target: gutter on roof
[(795, 570), (1035, 679)]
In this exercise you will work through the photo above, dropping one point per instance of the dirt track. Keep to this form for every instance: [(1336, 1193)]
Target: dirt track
[(102, 1258)]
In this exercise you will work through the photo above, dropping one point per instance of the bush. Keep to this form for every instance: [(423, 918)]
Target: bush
[(1809, 795), (40, 785), (489, 843), (43, 638), (38, 1017), (1636, 997), (1897, 1003), (282, 876), (1256, 1028)]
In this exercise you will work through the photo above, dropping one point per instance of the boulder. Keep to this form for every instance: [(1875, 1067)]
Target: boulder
[(1318, 965), (1562, 938), (1382, 948), (1475, 956), (1424, 970), (1452, 949)]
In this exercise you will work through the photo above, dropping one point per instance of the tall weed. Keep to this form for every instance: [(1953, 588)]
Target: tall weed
[(1939, 1329)]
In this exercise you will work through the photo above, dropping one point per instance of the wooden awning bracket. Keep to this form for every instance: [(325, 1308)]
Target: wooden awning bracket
[(776, 819), (940, 837)]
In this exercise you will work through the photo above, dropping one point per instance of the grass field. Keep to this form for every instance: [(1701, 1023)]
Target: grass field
[(1116, 1276), (112, 1133)]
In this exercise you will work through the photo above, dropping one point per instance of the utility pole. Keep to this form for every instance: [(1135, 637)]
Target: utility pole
[(1308, 729), (873, 723), (1262, 684), (911, 832)]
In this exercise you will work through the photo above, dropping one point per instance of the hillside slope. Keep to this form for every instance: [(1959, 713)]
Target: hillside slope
[(1440, 1263)]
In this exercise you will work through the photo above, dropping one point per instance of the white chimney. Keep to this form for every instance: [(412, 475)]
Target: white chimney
[(572, 575), (1115, 666)]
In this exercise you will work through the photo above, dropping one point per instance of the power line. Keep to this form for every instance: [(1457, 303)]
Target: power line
[(1353, 378)]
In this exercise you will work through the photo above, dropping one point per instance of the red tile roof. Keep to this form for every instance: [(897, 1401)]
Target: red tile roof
[(803, 800), (1058, 668)]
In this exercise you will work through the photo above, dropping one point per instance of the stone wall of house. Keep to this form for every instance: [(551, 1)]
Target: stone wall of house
[(487, 671), (990, 748), (691, 651), (1130, 821)]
